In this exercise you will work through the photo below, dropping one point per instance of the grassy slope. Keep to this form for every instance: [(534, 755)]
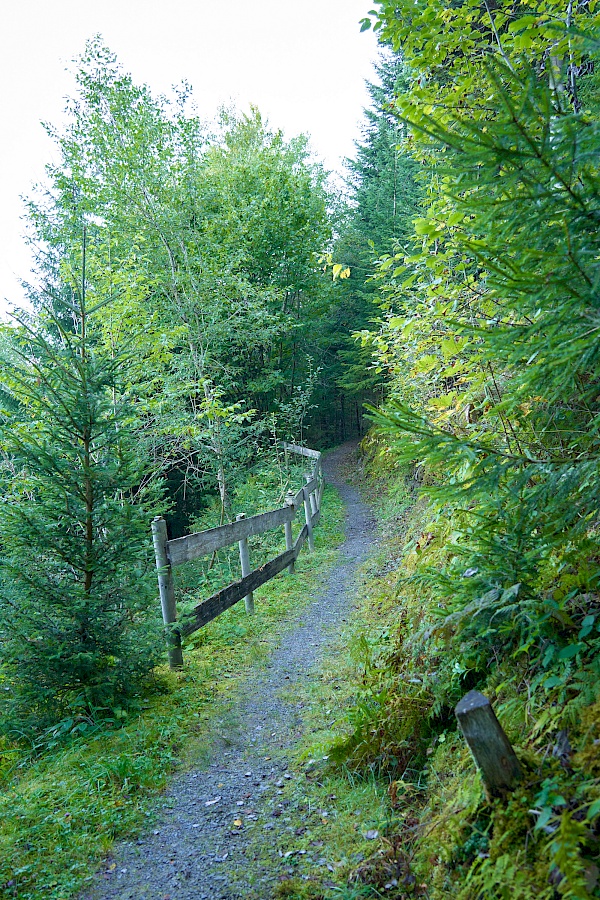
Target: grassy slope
[(61, 813), (446, 839), (404, 770)]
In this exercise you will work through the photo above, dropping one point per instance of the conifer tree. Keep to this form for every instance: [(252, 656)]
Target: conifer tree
[(78, 632), (383, 176), (383, 200)]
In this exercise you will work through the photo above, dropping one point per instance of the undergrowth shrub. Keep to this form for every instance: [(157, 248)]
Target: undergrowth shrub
[(410, 675), (489, 336)]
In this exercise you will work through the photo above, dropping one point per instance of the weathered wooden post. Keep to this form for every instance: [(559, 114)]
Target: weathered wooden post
[(488, 743), (308, 516), (166, 587), (313, 496), (319, 477), (321, 483), (245, 561), (289, 540)]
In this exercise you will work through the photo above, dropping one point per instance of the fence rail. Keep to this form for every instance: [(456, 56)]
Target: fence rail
[(172, 553)]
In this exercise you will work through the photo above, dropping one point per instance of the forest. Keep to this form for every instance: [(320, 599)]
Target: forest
[(203, 292)]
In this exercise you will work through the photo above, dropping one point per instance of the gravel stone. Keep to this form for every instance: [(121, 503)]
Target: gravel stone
[(196, 846)]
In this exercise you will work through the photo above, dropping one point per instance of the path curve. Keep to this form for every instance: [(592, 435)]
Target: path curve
[(193, 849)]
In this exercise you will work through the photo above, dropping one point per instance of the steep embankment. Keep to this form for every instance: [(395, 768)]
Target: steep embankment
[(203, 843)]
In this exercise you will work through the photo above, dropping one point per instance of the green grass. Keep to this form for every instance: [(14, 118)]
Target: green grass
[(439, 836), (61, 813)]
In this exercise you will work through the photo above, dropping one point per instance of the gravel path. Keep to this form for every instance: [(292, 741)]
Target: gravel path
[(196, 850)]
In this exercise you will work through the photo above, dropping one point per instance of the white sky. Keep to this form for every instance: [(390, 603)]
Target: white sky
[(302, 62)]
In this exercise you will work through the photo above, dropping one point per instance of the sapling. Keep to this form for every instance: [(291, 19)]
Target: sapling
[(76, 628)]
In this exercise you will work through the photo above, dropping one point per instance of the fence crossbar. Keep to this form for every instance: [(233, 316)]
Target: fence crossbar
[(203, 543), (171, 553)]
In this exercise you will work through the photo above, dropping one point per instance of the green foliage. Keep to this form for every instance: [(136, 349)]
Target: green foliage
[(503, 421), (490, 339), (383, 198), (210, 240), (77, 637), (176, 345), (504, 408), (410, 669), (383, 176)]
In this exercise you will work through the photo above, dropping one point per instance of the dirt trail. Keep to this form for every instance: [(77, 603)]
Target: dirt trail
[(195, 851)]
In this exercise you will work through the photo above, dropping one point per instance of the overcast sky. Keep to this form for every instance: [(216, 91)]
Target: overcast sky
[(303, 63)]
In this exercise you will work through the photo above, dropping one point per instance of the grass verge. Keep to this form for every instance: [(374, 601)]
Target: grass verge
[(61, 813)]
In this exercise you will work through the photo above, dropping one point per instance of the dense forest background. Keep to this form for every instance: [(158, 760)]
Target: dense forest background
[(188, 313), (203, 292)]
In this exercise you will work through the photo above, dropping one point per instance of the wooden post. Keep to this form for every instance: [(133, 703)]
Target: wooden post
[(245, 561), (308, 516), (321, 484), (166, 587), (289, 540), (319, 477), (488, 743), (313, 496)]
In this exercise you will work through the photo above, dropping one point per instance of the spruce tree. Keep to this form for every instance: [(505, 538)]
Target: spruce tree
[(383, 176), (78, 631), (384, 194)]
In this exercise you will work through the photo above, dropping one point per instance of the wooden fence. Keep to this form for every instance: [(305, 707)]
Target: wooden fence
[(171, 553)]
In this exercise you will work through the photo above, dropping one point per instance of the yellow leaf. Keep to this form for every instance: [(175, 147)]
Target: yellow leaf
[(426, 364), (442, 402), (237, 823)]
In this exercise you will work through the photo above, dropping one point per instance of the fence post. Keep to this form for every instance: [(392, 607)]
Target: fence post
[(245, 561), (321, 483), (289, 541), (313, 495), (308, 516), (318, 475), (488, 743), (166, 587)]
